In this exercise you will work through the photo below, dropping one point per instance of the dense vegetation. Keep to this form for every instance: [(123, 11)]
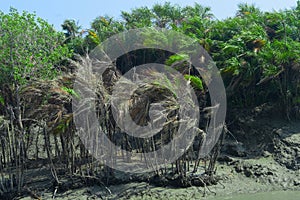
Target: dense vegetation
[(257, 53)]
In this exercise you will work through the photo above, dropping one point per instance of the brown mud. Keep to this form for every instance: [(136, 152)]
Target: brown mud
[(258, 156)]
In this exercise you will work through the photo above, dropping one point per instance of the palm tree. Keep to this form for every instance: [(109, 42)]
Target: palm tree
[(106, 26), (245, 9), (71, 28), (138, 18), (199, 11), (167, 14)]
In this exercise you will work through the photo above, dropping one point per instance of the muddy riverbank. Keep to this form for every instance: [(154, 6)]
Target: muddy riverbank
[(267, 163), (240, 176)]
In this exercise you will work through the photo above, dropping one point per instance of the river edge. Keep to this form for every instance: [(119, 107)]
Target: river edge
[(242, 169), (236, 178)]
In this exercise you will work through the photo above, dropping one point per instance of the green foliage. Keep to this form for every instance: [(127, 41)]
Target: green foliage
[(71, 28), (177, 57), (195, 80), (257, 52), (165, 15), (245, 10), (70, 91), (30, 48), (94, 37), (74, 37), (105, 26), (138, 18)]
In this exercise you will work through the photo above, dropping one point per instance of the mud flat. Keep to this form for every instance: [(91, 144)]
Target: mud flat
[(271, 171), (264, 160), (238, 177)]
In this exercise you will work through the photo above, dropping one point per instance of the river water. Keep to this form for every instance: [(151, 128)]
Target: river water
[(280, 195)]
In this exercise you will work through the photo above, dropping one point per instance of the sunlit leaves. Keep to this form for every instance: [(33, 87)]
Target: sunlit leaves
[(251, 48), (195, 80), (167, 14), (245, 10), (198, 10), (94, 37), (105, 26), (70, 91), (138, 18), (30, 48)]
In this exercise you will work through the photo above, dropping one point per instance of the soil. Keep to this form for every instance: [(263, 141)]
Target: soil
[(259, 154)]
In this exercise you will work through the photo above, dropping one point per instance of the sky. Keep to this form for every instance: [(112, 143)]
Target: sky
[(85, 11)]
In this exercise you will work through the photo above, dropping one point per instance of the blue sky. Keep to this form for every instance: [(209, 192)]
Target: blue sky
[(56, 11)]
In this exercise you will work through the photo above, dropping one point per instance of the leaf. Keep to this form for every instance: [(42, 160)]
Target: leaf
[(176, 58), (70, 91), (195, 80), (231, 49), (30, 47), (94, 37)]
